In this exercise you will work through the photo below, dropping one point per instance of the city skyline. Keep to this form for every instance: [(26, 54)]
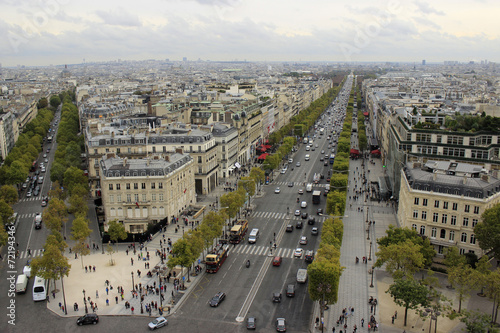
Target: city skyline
[(63, 31)]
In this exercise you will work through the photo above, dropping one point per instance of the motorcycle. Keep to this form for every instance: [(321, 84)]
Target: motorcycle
[(248, 263)]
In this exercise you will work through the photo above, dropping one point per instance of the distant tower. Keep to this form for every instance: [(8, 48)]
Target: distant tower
[(423, 62)]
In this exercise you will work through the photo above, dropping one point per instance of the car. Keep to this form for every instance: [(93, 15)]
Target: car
[(46, 160), (321, 158), (325, 163), (290, 290), (283, 170), (308, 148), (276, 297), (27, 179), (277, 261), (290, 184), (297, 212), (309, 256), (48, 150), (43, 169), (29, 193), (301, 191), (44, 155), (25, 185), (289, 228), (313, 149), (304, 215), (298, 252), (320, 211), (217, 299), (311, 220), (277, 190), (37, 172), (281, 325), (251, 323), (303, 204), (297, 164), (89, 318), (299, 224), (40, 180), (44, 203), (303, 240), (157, 323), (322, 152), (290, 160), (36, 192), (314, 231)]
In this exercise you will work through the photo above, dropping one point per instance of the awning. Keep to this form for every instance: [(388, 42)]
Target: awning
[(354, 152), (261, 149), (375, 152), (267, 146), (365, 114), (263, 156)]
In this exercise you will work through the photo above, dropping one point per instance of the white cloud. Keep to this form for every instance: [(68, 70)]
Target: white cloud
[(119, 16), (425, 8)]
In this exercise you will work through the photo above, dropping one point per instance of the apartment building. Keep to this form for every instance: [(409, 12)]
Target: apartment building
[(8, 133), (444, 201), (226, 137), (140, 191)]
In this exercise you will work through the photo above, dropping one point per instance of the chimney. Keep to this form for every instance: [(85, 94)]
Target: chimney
[(434, 176), (465, 179), (167, 158), (147, 162), (125, 161)]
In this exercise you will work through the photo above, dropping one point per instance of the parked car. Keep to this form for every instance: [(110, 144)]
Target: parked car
[(157, 323), (89, 318)]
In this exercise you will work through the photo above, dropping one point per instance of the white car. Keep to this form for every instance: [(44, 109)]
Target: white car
[(303, 240), (290, 160), (303, 204), (298, 252), (297, 212), (157, 323), (277, 190)]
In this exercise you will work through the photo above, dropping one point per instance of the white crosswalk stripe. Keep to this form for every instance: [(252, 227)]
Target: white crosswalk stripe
[(282, 216), (261, 250), (34, 253)]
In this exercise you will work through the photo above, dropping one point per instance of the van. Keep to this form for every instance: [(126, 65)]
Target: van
[(309, 187), (21, 283), (307, 157), (327, 187), (38, 221), (254, 235)]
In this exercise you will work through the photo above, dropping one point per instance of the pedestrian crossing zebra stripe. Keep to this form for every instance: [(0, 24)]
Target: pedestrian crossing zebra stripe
[(282, 216), (262, 250), (34, 253)]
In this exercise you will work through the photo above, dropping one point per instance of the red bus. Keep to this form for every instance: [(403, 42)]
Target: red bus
[(33, 166)]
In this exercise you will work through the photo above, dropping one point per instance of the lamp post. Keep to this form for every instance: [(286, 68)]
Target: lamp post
[(133, 284), (161, 294), (370, 254), (323, 288), (433, 315), (373, 271), (85, 302), (64, 295)]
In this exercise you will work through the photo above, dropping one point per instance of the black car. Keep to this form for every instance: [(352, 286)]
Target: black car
[(289, 228), (298, 225), (304, 215), (251, 323), (89, 318), (217, 299), (290, 290), (320, 211), (311, 220), (277, 297), (281, 325)]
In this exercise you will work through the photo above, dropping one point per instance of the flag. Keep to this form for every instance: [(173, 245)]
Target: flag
[(137, 204), (185, 190)]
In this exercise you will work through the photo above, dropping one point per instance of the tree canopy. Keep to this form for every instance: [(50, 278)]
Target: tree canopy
[(488, 231)]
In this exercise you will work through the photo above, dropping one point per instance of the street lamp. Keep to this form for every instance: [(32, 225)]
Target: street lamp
[(133, 284), (85, 302), (373, 271), (323, 289), (433, 315), (64, 295), (370, 254)]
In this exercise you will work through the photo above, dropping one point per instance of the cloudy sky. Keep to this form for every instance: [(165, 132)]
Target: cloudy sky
[(44, 32)]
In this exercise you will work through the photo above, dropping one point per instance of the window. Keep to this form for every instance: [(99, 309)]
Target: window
[(153, 186), (473, 239), (442, 233), (466, 222), (160, 196), (136, 186), (422, 229), (445, 204), (118, 198), (112, 212), (414, 227), (455, 206), (144, 198), (474, 222), (435, 217), (476, 209), (415, 214), (451, 236), (111, 198), (424, 202), (467, 208), (160, 185), (433, 232), (424, 215), (453, 220), (111, 187), (199, 159), (436, 203), (127, 186), (153, 197), (444, 218), (415, 201), (462, 251), (118, 186), (120, 211), (136, 198), (129, 198), (143, 186), (463, 239)]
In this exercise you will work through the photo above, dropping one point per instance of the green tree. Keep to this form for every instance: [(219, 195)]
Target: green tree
[(464, 279), (488, 231), (5, 211), (401, 259), (409, 294), (51, 265), (55, 101), (55, 214), (477, 322), (4, 237), (110, 251), (453, 258), (78, 205), (258, 174), (9, 194), (324, 277), (183, 254), (42, 103), (116, 231), (79, 233), (233, 201)]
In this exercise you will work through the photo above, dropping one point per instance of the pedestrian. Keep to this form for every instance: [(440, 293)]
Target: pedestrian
[(132, 309), (393, 319), (362, 322), (107, 302), (53, 294), (86, 269), (107, 291), (60, 304), (116, 299), (96, 294), (395, 315), (93, 267), (371, 309), (131, 261), (333, 329), (29, 251)]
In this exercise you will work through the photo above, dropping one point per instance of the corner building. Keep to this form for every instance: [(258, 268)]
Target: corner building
[(137, 192)]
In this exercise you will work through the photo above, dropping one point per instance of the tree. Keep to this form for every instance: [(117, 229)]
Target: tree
[(488, 231), (79, 233), (452, 257), (55, 101), (55, 214), (409, 294), (78, 205), (258, 174), (5, 211), (51, 265), (233, 201), (492, 289), (324, 277), (116, 231), (477, 322), (42, 103), (183, 254), (401, 259), (9, 194), (110, 251), (4, 237), (463, 278)]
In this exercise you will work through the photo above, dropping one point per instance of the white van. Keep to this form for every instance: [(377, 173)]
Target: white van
[(39, 290), (307, 157), (254, 235), (309, 187), (21, 283)]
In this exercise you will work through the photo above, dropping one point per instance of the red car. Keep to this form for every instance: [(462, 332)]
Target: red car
[(277, 261)]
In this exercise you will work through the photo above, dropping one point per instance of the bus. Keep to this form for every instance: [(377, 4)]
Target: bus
[(332, 158), (33, 166), (49, 139), (39, 290)]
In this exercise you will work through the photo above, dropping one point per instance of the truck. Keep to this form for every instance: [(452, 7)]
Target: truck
[(238, 231), (216, 258), (316, 197), (302, 275), (309, 187), (316, 178)]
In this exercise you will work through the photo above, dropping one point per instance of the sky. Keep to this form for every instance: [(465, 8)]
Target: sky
[(56, 32)]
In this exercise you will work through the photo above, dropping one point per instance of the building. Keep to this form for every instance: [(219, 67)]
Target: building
[(137, 192), (8, 133), (444, 200)]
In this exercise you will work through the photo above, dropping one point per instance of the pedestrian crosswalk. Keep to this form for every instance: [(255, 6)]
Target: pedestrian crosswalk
[(250, 249), (282, 216), (26, 216), (296, 184), (31, 199), (26, 255)]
